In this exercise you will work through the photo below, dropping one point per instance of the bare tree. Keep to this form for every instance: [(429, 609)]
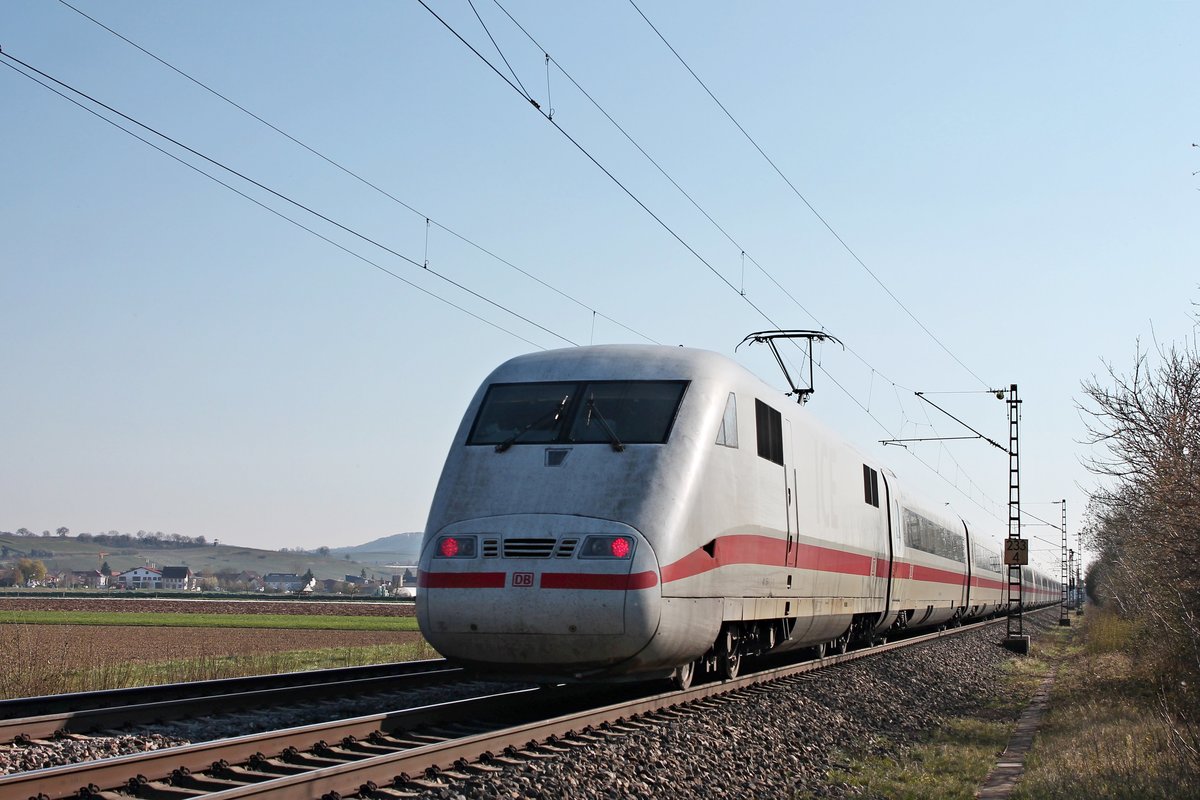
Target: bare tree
[(1145, 520)]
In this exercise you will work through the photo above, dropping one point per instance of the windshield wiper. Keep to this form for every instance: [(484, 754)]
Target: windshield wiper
[(612, 436), (554, 413)]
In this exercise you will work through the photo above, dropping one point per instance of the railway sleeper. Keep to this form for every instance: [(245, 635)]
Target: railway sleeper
[(373, 791), (145, 788), (240, 775), (205, 783), (273, 766)]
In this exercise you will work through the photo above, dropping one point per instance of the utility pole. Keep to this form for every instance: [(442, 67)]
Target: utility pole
[(1016, 549), (1071, 579), (1064, 608), (1078, 587)]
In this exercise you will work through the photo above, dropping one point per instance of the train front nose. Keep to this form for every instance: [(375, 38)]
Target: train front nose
[(540, 594)]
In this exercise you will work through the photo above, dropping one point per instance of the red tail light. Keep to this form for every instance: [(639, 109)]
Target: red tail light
[(602, 546), (458, 545)]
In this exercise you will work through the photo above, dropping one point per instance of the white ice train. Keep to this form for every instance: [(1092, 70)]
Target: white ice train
[(618, 512)]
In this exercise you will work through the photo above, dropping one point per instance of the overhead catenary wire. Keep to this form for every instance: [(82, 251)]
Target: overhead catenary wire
[(511, 71), (274, 211), (658, 166), (805, 200), (742, 252), (358, 177), (289, 200), (495, 70), (526, 95), (429, 221), (268, 208), (587, 154)]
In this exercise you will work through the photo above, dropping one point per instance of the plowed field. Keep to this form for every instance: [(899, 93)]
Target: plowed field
[(49, 659), (114, 642)]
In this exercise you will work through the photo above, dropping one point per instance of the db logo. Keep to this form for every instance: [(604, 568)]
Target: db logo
[(524, 579)]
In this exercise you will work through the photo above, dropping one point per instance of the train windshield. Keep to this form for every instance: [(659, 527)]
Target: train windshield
[(631, 412), (529, 413)]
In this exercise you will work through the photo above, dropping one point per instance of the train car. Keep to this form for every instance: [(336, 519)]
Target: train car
[(629, 512)]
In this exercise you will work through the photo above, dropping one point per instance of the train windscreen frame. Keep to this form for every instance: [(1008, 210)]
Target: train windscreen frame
[(558, 412)]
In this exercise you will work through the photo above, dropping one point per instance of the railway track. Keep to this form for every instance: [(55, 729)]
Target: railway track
[(43, 717), (398, 753)]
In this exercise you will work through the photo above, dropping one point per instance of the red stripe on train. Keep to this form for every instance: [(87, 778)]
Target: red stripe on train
[(549, 580), (771, 552), (462, 580), (583, 580)]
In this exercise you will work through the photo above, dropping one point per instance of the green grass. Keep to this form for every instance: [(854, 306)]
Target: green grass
[(953, 761), (1105, 735), (232, 666), (950, 765), (34, 674), (170, 620)]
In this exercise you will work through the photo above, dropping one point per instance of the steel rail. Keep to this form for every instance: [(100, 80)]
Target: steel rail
[(160, 764), (132, 695), (344, 770), (48, 725)]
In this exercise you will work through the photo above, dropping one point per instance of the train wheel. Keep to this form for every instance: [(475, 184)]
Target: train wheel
[(731, 664), (820, 650), (839, 645), (684, 674)]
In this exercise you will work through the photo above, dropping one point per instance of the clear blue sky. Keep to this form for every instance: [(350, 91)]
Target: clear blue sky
[(176, 358)]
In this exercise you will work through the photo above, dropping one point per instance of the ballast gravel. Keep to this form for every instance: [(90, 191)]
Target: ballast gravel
[(40, 754), (775, 743), (55, 752)]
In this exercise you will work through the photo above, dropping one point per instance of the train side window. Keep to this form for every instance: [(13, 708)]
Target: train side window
[(870, 486), (727, 435), (769, 426), (921, 533)]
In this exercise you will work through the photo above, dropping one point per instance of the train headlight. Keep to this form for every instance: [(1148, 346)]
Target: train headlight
[(456, 547), (620, 547)]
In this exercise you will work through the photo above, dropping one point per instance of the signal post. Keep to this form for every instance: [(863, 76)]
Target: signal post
[(1016, 549)]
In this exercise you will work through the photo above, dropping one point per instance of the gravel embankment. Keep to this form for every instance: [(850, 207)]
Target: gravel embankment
[(237, 722), (782, 742), (25, 758)]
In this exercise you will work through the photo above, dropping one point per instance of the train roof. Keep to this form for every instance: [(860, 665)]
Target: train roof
[(629, 361)]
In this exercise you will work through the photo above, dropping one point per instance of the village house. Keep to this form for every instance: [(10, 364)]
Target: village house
[(288, 582), (91, 578), (140, 578), (178, 578)]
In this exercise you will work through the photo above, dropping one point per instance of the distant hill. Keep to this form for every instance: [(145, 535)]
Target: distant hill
[(396, 543), (399, 548), (69, 553)]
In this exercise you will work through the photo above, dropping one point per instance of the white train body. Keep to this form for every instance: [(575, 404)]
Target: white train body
[(620, 511)]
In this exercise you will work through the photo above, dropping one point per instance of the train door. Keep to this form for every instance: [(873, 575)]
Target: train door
[(885, 571), (792, 509), (966, 600)]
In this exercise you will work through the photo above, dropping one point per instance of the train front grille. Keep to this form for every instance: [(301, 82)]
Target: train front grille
[(531, 548)]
